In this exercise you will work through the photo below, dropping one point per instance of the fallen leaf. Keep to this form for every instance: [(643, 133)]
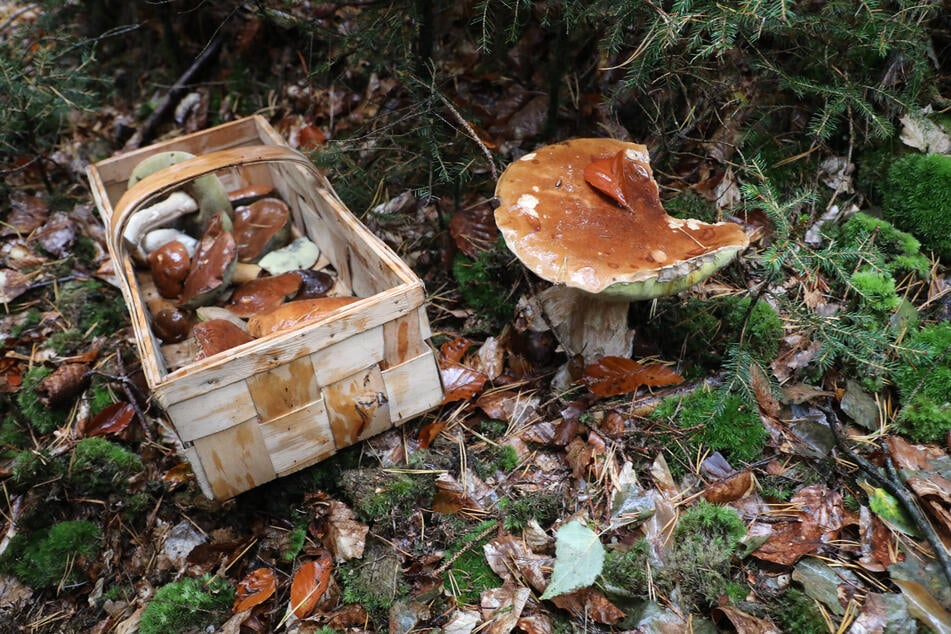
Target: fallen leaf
[(111, 419), (473, 229), (611, 376), (502, 607), (347, 534), (453, 351), (309, 583), (12, 285), (733, 488), (257, 587), (579, 558), (508, 555), (429, 432), (609, 176), (742, 622), (460, 382), (591, 604)]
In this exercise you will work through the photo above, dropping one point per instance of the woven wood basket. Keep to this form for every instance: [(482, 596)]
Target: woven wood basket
[(285, 401)]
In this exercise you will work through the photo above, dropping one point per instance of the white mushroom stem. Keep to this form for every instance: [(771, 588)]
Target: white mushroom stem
[(160, 214), (587, 324)]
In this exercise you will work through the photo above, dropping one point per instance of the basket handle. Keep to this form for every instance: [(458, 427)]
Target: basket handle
[(169, 178)]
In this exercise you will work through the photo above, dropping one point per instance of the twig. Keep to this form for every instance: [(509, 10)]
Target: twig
[(132, 393), (897, 490), (147, 130)]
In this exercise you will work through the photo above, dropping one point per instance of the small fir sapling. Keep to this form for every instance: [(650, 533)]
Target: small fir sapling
[(924, 385), (44, 558), (917, 199), (190, 604)]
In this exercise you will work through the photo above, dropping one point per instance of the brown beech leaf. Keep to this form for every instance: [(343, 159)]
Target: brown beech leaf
[(591, 604), (607, 176), (473, 230), (111, 419), (744, 623), (611, 376), (256, 588), (429, 433), (453, 351), (460, 382), (309, 583), (310, 137), (178, 475), (730, 489)]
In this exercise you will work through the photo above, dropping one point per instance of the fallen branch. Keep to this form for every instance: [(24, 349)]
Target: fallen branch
[(147, 130), (896, 489)]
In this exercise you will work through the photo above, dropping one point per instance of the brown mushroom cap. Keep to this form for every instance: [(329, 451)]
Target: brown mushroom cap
[(614, 239)]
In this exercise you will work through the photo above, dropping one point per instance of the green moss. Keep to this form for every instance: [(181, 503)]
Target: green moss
[(796, 612), (507, 458), (99, 466), (482, 284), (470, 573), (373, 582), (12, 436), (30, 318), (67, 342), (41, 418), (690, 204), (876, 291), (92, 307), (295, 543), (543, 506), (700, 330), (626, 570), (493, 428), (924, 385), (31, 468), (377, 494), (717, 421), (188, 605), (44, 558), (701, 553), (917, 199)]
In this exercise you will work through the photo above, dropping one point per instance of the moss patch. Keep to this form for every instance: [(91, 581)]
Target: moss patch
[(188, 605), (99, 466), (917, 199), (44, 558), (924, 384)]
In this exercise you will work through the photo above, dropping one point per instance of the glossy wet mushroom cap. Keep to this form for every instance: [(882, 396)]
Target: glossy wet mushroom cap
[(607, 234)]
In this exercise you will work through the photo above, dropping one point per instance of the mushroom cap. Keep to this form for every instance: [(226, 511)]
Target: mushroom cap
[(615, 239)]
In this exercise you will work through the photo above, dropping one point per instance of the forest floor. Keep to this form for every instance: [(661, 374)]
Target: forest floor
[(732, 475)]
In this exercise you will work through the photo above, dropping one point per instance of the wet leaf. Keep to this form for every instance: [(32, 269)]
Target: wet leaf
[(473, 230), (503, 606), (111, 419), (256, 588), (178, 475), (508, 555), (579, 558), (309, 584), (591, 604), (887, 507), (12, 285), (617, 177), (453, 351), (733, 488), (429, 433), (310, 137), (460, 382), (611, 376), (744, 623)]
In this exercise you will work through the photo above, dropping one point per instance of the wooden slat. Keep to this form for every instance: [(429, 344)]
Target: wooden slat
[(299, 438), (358, 407), (402, 339), (235, 460), (284, 388), (266, 353), (349, 356), (413, 387), (212, 412)]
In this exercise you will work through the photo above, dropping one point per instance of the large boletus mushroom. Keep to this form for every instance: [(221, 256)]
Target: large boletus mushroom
[(586, 214)]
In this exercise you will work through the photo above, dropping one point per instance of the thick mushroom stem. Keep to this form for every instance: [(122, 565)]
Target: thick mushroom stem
[(588, 325)]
